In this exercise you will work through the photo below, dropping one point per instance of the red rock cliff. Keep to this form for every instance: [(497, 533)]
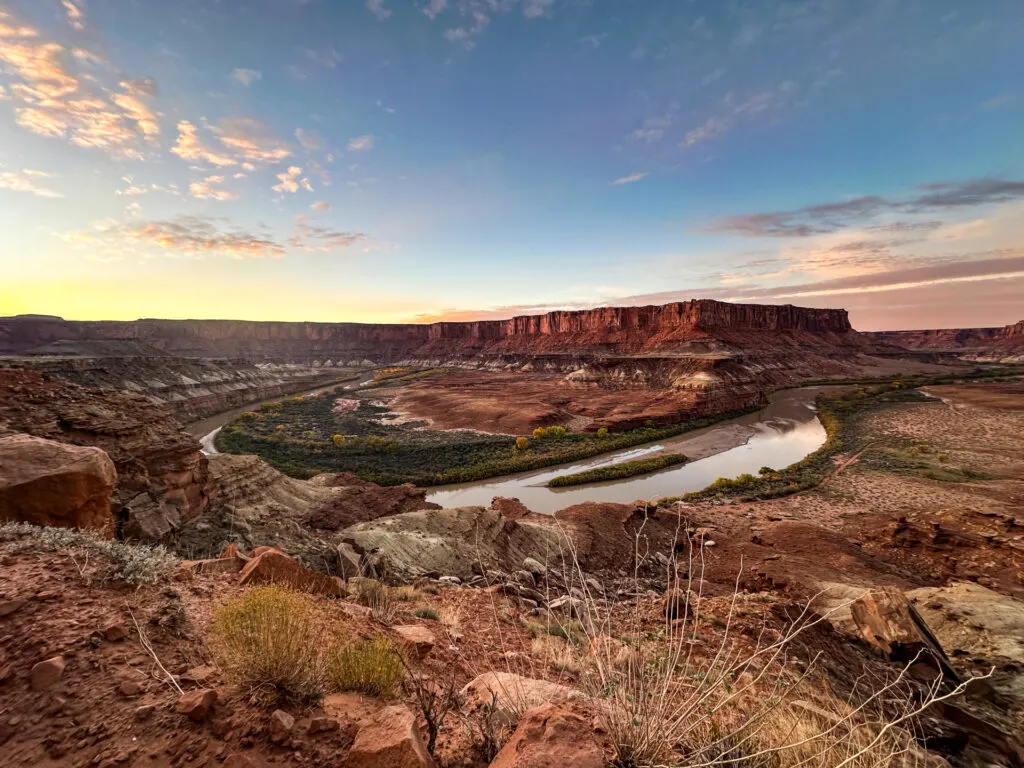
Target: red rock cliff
[(610, 330)]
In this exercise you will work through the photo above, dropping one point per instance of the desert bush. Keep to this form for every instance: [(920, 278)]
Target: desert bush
[(271, 639), (378, 598), (406, 593), (765, 471), (522, 443), (426, 612), (602, 432), (374, 667), (114, 560), (338, 441)]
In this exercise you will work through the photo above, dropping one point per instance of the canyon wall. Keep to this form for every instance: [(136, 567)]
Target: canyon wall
[(624, 330), (1005, 344), (189, 388)]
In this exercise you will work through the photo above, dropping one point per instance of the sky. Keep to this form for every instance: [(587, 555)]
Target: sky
[(386, 161)]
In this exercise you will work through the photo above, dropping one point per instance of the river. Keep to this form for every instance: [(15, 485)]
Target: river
[(779, 435)]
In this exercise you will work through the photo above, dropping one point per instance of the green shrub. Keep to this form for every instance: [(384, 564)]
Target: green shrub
[(620, 470), (426, 612), (373, 667), (602, 432), (271, 639), (766, 471)]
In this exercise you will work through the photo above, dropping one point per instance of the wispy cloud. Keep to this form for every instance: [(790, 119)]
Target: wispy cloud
[(75, 16), (310, 237), (26, 180), (320, 206), (310, 140), (763, 103), (246, 76), (52, 99), (291, 181), (210, 189), (832, 217), (376, 7), (631, 179), (190, 235), (243, 141), (327, 57), (434, 7), (652, 130), (361, 143)]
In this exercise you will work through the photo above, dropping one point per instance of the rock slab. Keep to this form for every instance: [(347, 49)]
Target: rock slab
[(45, 482), (389, 740)]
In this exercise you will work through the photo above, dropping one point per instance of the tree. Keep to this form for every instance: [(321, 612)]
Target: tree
[(338, 440), (602, 432), (539, 433), (522, 443)]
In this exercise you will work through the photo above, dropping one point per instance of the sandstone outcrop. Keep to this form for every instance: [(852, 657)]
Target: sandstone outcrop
[(550, 736), (271, 566), (45, 482), (462, 541), (162, 475), (390, 739), (252, 504)]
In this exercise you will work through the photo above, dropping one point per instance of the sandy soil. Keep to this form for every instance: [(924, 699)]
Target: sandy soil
[(517, 403)]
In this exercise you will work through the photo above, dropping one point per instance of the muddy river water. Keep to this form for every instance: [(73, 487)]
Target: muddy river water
[(779, 435)]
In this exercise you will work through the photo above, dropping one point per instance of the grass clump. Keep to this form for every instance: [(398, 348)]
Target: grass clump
[(620, 470), (108, 559), (427, 612), (271, 639), (374, 667)]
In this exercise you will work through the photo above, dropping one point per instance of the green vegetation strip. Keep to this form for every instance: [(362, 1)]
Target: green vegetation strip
[(619, 471)]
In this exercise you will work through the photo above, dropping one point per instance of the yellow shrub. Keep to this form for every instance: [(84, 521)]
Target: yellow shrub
[(522, 443), (271, 639), (373, 667)]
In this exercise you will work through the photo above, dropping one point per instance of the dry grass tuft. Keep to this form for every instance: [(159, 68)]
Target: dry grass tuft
[(374, 667), (271, 639)]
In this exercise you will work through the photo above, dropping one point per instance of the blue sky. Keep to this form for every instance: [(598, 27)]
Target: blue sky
[(387, 161)]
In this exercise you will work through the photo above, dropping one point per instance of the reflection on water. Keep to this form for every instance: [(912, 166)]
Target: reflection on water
[(779, 435)]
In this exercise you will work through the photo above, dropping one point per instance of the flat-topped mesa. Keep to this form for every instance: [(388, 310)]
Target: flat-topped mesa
[(702, 314), (608, 330)]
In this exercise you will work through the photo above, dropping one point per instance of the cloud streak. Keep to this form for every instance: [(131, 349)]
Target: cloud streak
[(832, 217), (631, 179), (26, 181)]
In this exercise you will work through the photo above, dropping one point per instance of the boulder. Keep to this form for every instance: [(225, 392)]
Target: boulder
[(197, 705), (47, 674), (388, 740), (49, 483), (417, 640), (513, 694), (551, 736), (887, 620), (272, 566)]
